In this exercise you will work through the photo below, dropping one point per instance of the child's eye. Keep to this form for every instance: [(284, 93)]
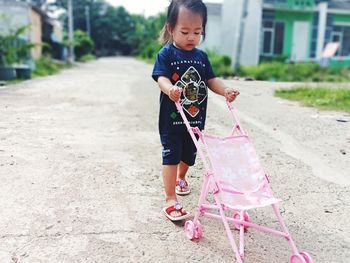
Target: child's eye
[(184, 33), (197, 33)]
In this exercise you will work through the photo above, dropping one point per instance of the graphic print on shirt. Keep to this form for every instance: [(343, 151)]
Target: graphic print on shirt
[(194, 91)]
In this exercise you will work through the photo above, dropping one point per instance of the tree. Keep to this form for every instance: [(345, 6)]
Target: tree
[(110, 26), (113, 29), (145, 37)]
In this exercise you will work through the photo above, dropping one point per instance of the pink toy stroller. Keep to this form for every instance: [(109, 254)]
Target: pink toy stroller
[(237, 182)]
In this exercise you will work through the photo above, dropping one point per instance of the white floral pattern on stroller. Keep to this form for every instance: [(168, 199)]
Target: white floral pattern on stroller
[(237, 182)]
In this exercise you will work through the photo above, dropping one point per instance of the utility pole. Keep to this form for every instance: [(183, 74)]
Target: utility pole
[(87, 17), (241, 34), (70, 31)]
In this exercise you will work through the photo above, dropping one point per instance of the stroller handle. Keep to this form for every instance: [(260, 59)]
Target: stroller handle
[(229, 105), (235, 118), (191, 132), (178, 106)]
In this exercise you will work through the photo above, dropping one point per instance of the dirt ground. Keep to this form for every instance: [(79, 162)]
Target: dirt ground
[(80, 172)]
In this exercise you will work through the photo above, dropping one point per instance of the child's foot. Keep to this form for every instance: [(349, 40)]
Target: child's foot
[(182, 187), (175, 212)]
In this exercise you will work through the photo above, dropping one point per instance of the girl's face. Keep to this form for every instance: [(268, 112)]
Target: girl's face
[(188, 29)]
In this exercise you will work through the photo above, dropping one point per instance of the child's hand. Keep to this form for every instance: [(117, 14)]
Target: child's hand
[(175, 93), (231, 94)]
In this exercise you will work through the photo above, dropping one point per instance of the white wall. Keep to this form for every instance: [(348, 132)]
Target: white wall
[(231, 13), (322, 9), (252, 32), (213, 33), (224, 32)]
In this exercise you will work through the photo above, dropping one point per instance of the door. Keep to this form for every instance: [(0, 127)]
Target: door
[(300, 44)]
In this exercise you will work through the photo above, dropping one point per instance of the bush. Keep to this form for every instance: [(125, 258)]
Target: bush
[(83, 44), (46, 66), (221, 63), (86, 58), (150, 50)]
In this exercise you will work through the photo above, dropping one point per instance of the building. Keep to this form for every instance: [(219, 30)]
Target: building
[(41, 28), (17, 14), (292, 30)]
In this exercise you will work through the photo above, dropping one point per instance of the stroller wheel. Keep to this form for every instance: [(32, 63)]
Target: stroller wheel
[(246, 218), (193, 230), (297, 258), (198, 230), (189, 229), (306, 256)]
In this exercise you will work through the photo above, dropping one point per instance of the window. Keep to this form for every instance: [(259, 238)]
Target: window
[(345, 49), (272, 38), (279, 34), (267, 40), (341, 34)]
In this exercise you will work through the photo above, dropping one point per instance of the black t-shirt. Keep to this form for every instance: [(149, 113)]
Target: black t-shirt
[(189, 70)]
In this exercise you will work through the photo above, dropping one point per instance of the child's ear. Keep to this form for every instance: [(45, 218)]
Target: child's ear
[(169, 28)]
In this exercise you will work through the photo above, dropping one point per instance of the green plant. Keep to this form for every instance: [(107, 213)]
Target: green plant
[(12, 48), (221, 64), (87, 57), (83, 44), (150, 50), (45, 66)]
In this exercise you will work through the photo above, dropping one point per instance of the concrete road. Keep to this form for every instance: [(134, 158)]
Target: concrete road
[(80, 172)]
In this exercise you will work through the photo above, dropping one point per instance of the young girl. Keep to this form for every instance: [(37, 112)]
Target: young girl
[(183, 73)]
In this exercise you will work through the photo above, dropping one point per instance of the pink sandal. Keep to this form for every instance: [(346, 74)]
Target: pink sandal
[(176, 207), (182, 187)]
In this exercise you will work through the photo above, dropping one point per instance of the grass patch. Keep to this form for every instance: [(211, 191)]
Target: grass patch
[(307, 72), (322, 98), (87, 57)]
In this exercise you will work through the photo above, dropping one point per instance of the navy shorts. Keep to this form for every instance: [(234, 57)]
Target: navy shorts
[(178, 147)]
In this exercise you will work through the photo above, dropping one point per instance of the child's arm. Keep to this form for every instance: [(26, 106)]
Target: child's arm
[(217, 86), (169, 89)]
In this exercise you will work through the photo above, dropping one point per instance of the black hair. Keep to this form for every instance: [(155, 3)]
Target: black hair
[(195, 6)]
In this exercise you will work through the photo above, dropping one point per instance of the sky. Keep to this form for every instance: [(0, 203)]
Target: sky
[(146, 7)]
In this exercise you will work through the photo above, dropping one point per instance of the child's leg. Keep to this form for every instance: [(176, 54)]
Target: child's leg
[(182, 170), (169, 180), (188, 156), (171, 154), (182, 187)]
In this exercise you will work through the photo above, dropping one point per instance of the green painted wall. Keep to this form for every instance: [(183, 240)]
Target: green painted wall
[(288, 17), (341, 18), (295, 4), (340, 63), (301, 3)]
